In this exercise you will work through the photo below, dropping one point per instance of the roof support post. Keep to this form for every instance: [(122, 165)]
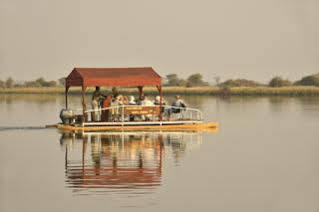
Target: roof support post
[(66, 95), (159, 87), (83, 103), (141, 93)]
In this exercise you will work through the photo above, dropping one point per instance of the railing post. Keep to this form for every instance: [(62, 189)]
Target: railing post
[(122, 115)]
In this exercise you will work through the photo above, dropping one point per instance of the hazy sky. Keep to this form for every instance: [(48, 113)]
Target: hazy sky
[(254, 39)]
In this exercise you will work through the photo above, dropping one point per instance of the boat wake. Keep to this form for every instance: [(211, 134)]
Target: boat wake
[(7, 128)]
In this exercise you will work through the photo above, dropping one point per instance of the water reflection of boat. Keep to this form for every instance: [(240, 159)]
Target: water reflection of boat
[(127, 161)]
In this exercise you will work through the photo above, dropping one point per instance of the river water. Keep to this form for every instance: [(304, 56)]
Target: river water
[(264, 157)]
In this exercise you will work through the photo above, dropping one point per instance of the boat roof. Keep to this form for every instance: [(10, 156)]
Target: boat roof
[(133, 76)]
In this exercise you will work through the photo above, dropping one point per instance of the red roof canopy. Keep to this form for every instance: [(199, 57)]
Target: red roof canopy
[(113, 77)]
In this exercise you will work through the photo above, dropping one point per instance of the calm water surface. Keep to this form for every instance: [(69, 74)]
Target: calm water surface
[(264, 157)]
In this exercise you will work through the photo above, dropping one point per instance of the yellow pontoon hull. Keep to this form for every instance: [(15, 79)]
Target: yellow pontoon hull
[(208, 127)]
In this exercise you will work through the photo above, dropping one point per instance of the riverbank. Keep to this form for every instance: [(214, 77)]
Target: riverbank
[(207, 90)]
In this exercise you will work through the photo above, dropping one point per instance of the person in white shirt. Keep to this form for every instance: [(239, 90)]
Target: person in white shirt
[(146, 102), (131, 100)]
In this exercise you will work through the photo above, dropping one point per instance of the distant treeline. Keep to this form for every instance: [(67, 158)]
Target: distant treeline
[(197, 80), (194, 80), (40, 82)]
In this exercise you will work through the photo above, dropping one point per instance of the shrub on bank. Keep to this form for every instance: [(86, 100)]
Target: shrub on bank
[(240, 83), (40, 82), (279, 82), (2, 84), (309, 80)]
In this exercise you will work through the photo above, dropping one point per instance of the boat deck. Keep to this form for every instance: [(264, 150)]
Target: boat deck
[(139, 123)]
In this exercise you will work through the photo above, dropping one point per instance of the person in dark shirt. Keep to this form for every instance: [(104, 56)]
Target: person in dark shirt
[(178, 103), (97, 97)]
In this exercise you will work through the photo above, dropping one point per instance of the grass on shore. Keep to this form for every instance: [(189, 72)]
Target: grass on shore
[(207, 90)]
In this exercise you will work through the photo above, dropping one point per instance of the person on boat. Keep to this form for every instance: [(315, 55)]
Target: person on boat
[(97, 97), (105, 104), (131, 100), (139, 100), (178, 106), (158, 102), (122, 100), (115, 104), (178, 103), (125, 100), (146, 102)]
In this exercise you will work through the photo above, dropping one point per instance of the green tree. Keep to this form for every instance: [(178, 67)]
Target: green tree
[(51, 83), (172, 80), (182, 82), (9, 83), (279, 82), (40, 81), (195, 80)]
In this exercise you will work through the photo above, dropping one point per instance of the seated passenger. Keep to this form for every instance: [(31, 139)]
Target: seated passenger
[(140, 99), (125, 100), (146, 102), (115, 111), (178, 104), (120, 99), (131, 100), (158, 101)]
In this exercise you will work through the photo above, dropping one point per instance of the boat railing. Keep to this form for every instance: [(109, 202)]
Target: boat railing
[(125, 113)]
